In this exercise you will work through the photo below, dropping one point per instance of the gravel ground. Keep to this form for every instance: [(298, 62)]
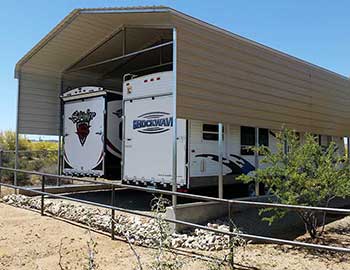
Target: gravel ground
[(140, 231), (29, 241)]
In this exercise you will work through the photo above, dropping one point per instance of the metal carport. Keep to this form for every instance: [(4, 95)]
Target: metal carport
[(220, 77)]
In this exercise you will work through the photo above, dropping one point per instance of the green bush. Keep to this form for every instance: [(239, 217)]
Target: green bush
[(302, 174), (38, 156)]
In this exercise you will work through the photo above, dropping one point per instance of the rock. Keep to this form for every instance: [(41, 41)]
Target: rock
[(139, 231)]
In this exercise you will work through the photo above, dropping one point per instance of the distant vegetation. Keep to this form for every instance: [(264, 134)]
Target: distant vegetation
[(34, 156)]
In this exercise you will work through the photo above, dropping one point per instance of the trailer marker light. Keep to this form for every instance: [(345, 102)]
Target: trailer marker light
[(129, 88), (158, 78), (145, 81), (152, 79)]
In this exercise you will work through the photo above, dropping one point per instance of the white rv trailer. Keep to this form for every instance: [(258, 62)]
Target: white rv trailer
[(148, 123), (92, 132)]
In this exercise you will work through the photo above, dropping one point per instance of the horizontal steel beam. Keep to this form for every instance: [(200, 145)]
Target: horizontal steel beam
[(121, 57), (193, 225)]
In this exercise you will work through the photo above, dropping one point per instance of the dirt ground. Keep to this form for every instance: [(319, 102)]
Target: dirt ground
[(30, 241)]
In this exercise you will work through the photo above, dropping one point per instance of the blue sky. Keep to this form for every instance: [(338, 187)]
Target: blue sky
[(315, 30)]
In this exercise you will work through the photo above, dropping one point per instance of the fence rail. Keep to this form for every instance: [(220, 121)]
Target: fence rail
[(113, 208), (28, 151), (39, 159)]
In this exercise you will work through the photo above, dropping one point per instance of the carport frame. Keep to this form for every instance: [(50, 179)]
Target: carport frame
[(174, 138), (163, 26), (70, 68)]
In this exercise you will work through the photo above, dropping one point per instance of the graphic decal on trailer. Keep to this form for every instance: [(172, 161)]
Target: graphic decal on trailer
[(238, 166), (82, 121), (153, 122), (244, 164)]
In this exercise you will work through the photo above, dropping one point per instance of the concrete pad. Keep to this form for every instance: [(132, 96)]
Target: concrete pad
[(202, 212), (246, 217)]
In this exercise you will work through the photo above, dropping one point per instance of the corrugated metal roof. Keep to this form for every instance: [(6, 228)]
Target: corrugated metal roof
[(69, 18), (103, 26), (220, 76)]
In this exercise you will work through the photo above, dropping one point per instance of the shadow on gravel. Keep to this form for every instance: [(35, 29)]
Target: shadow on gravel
[(290, 227), (127, 199), (141, 201), (248, 220)]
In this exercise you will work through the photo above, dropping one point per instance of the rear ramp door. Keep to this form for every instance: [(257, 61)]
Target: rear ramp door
[(148, 141), (83, 136)]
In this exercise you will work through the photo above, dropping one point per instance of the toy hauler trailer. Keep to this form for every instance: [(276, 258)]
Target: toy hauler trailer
[(92, 138), (147, 144)]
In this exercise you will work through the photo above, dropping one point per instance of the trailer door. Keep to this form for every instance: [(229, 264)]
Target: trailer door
[(84, 136), (148, 142)]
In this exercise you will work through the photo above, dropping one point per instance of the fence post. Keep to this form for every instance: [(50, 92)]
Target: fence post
[(231, 258), (220, 151), (113, 212), (42, 195), (256, 160), (1, 152)]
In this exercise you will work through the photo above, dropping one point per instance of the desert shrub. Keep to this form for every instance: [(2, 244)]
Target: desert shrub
[(302, 174), (38, 156)]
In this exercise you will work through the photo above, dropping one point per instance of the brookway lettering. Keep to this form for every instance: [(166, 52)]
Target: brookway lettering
[(160, 122)]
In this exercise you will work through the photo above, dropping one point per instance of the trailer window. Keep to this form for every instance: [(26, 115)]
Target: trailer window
[(324, 141), (211, 132), (248, 139), (263, 136)]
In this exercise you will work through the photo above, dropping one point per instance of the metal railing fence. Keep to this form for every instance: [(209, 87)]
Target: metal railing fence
[(230, 204)]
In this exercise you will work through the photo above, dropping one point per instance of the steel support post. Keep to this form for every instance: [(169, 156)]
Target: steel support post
[(59, 163), (124, 41), (60, 135), (256, 160), (220, 169), (17, 134), (174, 139), (231, 247), (347, 151), (42, 196), (112, 212)]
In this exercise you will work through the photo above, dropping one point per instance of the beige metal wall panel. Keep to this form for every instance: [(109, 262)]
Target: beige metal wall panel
[(225, 78), (39, 106), (251, 90)]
